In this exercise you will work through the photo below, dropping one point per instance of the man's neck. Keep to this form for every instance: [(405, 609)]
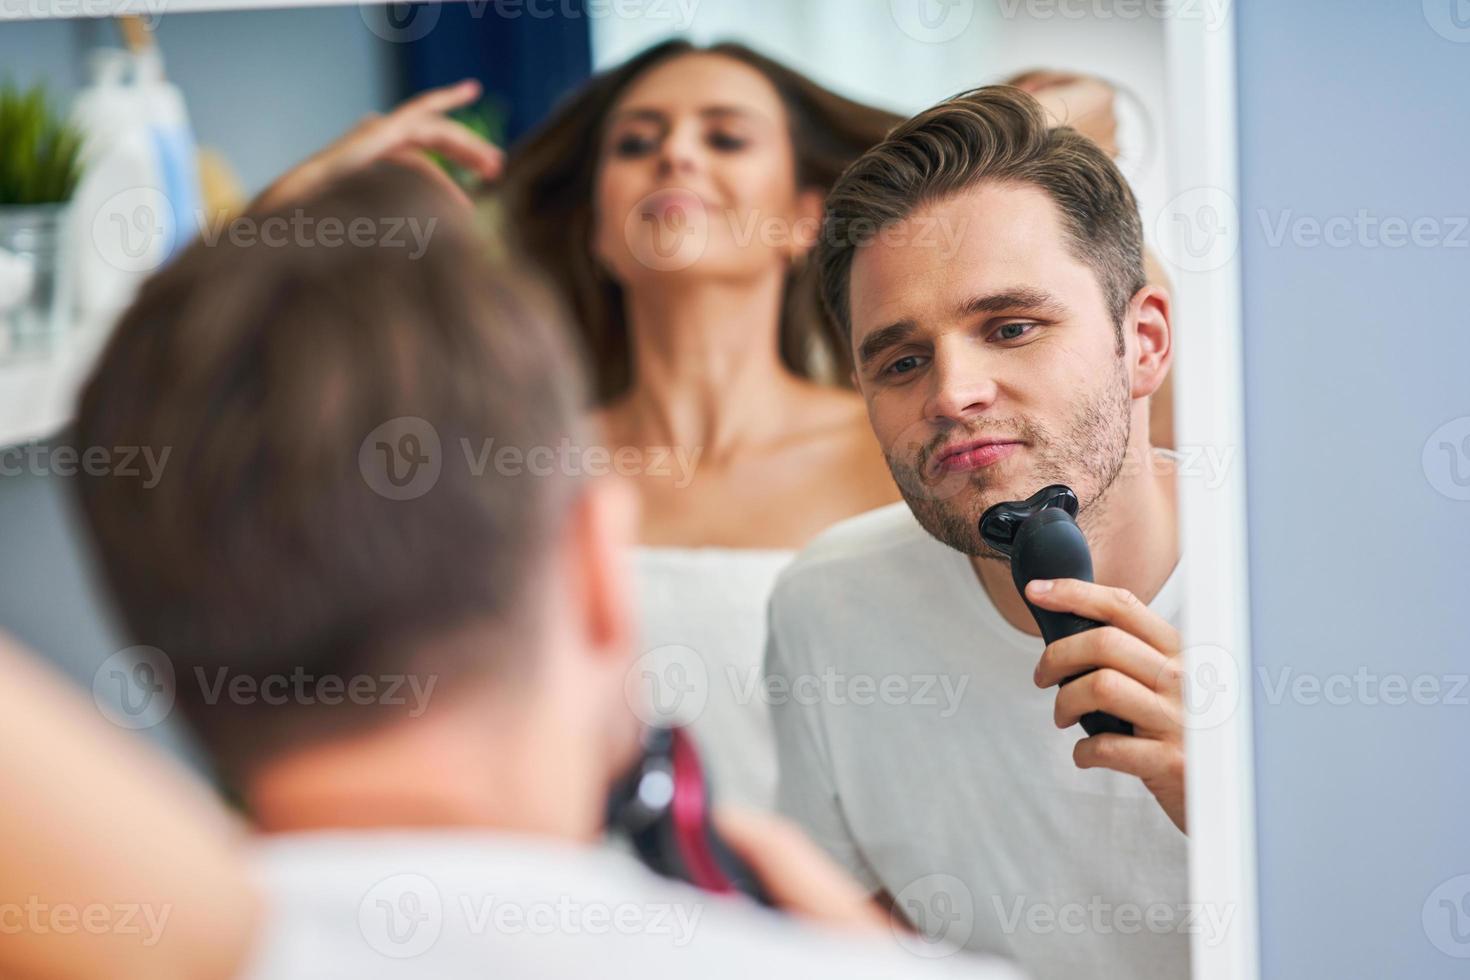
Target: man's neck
[(433, 773), (1133, 534)]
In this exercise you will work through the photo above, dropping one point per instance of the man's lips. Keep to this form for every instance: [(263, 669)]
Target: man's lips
[(974, 454)]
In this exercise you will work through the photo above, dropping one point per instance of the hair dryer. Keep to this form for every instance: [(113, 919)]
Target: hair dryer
[(663, 807), (1041, 538)]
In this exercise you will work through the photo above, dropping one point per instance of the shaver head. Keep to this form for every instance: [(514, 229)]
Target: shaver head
[(999, 524)]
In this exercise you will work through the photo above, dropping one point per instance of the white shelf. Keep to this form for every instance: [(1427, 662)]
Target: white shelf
[(38, 391)]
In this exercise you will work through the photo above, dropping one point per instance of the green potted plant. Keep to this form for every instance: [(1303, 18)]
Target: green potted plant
[(39, 167)]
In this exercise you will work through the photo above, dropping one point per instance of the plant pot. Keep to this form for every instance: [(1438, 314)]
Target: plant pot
[(34, 299)]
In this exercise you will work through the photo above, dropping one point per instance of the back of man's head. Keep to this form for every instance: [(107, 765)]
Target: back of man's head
[(324, 390)]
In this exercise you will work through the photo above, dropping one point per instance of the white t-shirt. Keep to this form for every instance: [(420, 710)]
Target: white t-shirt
[(459, 904), (702, 620), (914, 746)]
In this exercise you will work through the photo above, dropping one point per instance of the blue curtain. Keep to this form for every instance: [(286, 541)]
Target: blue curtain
[(527, 56)]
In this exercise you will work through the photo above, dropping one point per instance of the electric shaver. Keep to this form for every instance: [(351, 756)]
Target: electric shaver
[(663, 807), (1041, 538)]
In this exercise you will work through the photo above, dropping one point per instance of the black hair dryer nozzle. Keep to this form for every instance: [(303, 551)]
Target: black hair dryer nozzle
[(1041, 538)]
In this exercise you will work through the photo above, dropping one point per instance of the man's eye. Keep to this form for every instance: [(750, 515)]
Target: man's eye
[(1014, 331), (904, 365)]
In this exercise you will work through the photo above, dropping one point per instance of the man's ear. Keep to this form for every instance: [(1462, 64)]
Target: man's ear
[(600, 534), (1153, 340)]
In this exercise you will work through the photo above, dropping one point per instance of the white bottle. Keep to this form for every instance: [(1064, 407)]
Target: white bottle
[(123, 224), (173, 141)]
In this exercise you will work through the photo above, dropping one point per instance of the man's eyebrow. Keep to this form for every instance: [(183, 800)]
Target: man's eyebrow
[(1034, 300), (883, 338)]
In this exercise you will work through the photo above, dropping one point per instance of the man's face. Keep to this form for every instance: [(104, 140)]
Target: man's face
[(989, 363)]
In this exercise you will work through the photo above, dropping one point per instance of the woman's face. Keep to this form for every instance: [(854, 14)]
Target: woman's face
[(697, 176)]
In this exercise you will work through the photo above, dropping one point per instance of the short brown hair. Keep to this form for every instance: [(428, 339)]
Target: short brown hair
[(265, 547), (550, 182), (997, 133)]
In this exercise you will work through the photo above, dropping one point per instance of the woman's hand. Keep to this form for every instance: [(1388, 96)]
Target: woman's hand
[(1081, 101), (401, 136)]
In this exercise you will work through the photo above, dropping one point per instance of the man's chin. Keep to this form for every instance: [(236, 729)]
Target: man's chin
[(950, 508)]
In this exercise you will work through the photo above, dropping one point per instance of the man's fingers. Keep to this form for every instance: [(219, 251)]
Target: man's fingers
[(1115, 607), (1146, 758), (1106, 646), (1117, 694)]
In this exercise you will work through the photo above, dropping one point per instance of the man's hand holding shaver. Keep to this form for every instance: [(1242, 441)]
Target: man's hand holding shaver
[(1135, 673)]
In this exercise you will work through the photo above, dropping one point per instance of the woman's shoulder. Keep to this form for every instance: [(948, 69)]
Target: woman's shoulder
[(839, 418)]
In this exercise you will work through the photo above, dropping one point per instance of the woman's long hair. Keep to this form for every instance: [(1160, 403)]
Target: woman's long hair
[(549, 192)]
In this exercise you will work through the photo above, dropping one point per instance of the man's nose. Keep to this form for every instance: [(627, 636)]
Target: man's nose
[(964, 384)]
